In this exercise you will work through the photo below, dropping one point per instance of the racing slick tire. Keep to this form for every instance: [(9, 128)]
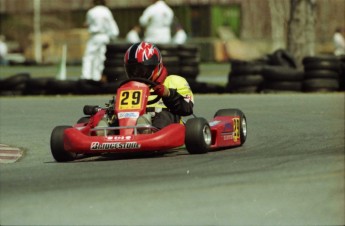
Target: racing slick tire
[(57, 145), (84, 120), (198, 136), (243, 121)]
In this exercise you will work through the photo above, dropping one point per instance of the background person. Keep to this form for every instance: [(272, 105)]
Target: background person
[(144, 60), (3, 50), (133, 36), (157, 19), (180, 36), (339, 42), (102, 28)]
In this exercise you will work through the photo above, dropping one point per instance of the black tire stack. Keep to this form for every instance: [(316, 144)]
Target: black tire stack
[(62, 87), (245, 76), (171, 58), (342, 74), (183, 60), (14, 85), (281, 79), (39, 86), (322, 74), (114, 65), (281, 73), (180, 60), (23, 84), (276, 72), (189, 61)]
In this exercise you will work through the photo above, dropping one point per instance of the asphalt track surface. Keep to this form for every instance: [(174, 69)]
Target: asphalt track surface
[(290, 171)]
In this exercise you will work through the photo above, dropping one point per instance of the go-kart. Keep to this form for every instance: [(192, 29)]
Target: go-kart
[(115, 128)]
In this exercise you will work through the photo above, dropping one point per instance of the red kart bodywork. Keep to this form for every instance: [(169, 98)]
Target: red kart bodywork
[(76, 141), (82, 137), (225, 131)]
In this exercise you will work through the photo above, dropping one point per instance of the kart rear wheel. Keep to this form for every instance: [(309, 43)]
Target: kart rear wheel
[(198, 136), (57, 145), (243, 120), (84, 120)]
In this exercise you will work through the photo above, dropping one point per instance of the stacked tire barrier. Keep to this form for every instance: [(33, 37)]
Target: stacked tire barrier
[(245, 76), (281, 79), (171, 59), (342, 74), (182, 60), (274, 73), (24, 84), (189, 61), (277, 72), (14, 85), (179, 59), (322, 74), (281, 73), (114, 65)]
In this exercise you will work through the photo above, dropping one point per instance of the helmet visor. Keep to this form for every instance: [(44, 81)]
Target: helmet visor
[(139, 70)]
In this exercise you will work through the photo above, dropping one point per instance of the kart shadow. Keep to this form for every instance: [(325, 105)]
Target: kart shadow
[(142, 155), (129, 156)]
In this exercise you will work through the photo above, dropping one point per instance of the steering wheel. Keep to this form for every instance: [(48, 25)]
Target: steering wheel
[(147, 82)]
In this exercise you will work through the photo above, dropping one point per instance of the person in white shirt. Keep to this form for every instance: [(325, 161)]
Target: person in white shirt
[(133, 35), (102, 29), (3, 50), (157, 19), (180, 37), (339, 42)]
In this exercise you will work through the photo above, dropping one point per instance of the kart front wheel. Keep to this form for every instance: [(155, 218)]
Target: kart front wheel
[(243, 120), (198, 136), (57, 145)]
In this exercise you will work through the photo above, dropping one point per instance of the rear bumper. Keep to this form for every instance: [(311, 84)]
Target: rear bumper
[(169, 137)]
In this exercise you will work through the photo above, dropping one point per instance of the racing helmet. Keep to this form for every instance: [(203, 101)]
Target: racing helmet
[(143, 60)]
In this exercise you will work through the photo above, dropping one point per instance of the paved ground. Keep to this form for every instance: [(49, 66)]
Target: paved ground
[(289, 172)]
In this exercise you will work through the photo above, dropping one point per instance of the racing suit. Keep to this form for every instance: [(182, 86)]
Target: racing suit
[(339, 44), (157, 19), (180, 37), (102, 28), (179, 103)]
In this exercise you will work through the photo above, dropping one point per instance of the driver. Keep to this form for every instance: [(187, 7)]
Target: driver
[(144, 60)]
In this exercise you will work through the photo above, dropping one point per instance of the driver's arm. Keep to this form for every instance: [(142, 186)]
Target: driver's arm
[(178, 104)]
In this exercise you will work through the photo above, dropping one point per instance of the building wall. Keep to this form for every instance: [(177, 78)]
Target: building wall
[(255, 13), (16, 20), (50, 5)]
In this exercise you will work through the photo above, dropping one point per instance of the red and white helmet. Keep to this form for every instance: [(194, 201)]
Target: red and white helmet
[(143, 60)]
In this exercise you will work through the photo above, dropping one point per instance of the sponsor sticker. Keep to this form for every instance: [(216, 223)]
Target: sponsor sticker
[(213, 123), (115, 145), (119, 137), (128, 115), (237, 126), (228, 137), (228, 127)]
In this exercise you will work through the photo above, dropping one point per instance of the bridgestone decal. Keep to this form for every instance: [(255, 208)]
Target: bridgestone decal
[(117, 145)]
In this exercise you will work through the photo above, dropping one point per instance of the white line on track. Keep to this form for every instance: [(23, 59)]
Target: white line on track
[(9, 154)]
